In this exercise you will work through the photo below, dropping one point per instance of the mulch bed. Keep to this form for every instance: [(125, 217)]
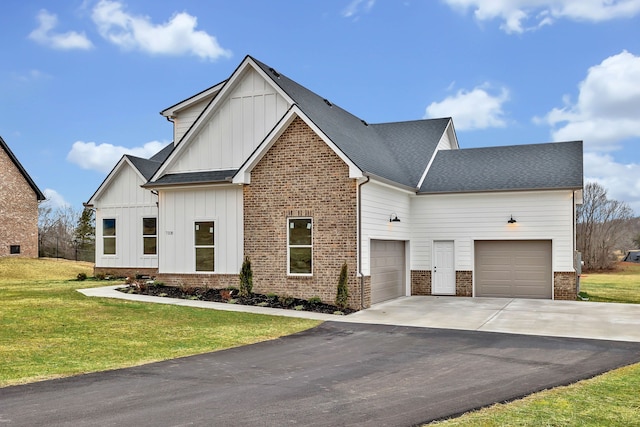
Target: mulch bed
[(232, 297)]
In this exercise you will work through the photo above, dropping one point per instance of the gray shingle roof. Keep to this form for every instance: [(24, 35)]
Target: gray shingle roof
[(148, 167), (194, 178), (394, 151), (515, 167)]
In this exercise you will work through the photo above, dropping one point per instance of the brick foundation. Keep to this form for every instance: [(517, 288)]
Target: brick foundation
[(464, 283), (214, 281), (300, 176), (420, 282), (124, 272), (565, 285)]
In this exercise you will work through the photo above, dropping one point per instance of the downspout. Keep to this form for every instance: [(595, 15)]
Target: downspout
[(359, 243)]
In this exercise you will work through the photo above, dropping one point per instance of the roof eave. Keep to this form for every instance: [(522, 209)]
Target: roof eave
[(498, 190)]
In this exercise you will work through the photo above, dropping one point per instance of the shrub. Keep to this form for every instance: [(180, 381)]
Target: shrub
[(285, 300), (342, 294), (246, 278), (315, 300), (82, 276)]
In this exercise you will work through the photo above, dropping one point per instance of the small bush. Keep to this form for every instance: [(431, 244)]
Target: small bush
[(246, 278), (100, 276), (299, 307), (342, 294), (82, 276), (285, 300), (271, 295), (314, 300)]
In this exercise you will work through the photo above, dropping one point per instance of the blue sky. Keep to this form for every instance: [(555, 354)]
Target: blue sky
[(83, 82)]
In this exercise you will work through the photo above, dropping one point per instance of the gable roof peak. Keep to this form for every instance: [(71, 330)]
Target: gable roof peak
[(39, 194)]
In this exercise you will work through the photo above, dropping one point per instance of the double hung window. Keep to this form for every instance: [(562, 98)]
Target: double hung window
[(300, 246), (150, 236), (109, 236), (204, 244)]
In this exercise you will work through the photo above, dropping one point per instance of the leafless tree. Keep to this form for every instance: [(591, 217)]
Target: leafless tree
[(56, 229), (601, 225)]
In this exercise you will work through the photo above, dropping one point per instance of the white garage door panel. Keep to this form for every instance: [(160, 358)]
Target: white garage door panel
[(387, 270), (516, 269)]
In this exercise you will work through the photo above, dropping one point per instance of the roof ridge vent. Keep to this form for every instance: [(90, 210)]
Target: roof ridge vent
[(275, 73), (364, 123), (326, 101)]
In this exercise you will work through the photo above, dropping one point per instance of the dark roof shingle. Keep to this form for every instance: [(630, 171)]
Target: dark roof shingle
[(514, 167)]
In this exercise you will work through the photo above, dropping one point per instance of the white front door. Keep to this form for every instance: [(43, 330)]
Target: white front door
[(444, 273)]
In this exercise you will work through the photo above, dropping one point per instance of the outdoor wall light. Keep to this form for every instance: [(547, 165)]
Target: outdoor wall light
[(512, 221), (394, 217)]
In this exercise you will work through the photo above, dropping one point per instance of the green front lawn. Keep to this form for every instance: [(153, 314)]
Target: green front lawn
[(48, 329), (619, 285)]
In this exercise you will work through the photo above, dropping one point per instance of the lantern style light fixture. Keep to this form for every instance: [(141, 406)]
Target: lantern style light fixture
[(512, 221), (394, 217)]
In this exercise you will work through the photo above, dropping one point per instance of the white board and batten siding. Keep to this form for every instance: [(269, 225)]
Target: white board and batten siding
[(378, 202), (235, 128), (180, 209), (186, 117), (466, 218), (124, 200)]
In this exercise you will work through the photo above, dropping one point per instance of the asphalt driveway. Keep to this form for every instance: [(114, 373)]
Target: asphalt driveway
[(335, 374)]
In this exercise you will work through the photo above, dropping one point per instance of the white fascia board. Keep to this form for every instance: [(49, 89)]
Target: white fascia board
[(452, 135), (112, 175), (452, 139), (207, 93), (228, 86), (243, 176)]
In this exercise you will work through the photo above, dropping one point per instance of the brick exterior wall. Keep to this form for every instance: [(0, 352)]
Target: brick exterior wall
[(464, 283), (300, 176), (18, 211), (420, 282), (565, 285)]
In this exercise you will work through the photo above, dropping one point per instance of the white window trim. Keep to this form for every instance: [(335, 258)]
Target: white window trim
[(289, 273), (149, 235), (195, 247)]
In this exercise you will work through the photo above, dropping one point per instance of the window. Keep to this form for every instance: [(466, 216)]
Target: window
[(204, 242), (150, 236), (14, 249), (109, 236), (300, 246)]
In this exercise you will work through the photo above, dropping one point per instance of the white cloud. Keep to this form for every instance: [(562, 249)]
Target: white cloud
[(54, 199), (475, 109), (178, 36), (31, 75), (521, 15), (45, 35), (103, 157), (357, 7), (620, 180), (608, 107)]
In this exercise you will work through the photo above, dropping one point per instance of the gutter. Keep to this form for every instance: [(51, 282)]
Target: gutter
[(359, 242)]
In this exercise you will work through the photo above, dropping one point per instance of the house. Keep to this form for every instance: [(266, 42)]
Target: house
[(19, 197), (262, 167)]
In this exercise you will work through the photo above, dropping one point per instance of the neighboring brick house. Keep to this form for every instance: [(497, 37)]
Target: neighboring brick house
[(261, 167), (19, 197)]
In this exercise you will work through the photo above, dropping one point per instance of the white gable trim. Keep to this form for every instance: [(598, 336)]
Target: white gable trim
[(454, 142), (207, 93), (112, 175), (228, 86), (243, 176)]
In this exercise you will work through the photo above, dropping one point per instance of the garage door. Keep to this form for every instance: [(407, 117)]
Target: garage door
[(516, 269), (387, 270)]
